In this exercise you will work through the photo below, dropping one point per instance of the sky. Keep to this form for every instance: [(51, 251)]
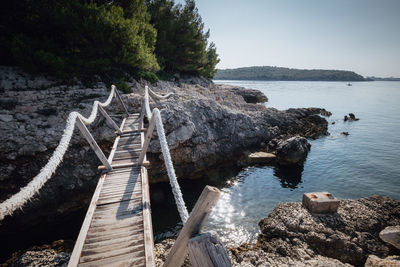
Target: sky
[(357, 35)]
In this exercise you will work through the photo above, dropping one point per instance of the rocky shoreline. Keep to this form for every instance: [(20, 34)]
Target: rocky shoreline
[(206, 125), (293, 236)]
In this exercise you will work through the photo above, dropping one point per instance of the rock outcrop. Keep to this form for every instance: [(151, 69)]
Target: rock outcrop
[(292, 151), (249, 95), (350, 235), (206, 125)]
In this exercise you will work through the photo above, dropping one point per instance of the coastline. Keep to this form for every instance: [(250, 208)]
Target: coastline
[(202, 107)]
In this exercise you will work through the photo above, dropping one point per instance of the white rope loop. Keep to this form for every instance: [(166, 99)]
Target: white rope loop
[(19, 199), (159, 97), (176, 190)]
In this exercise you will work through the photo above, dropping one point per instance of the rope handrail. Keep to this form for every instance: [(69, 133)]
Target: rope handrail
[(17, 200), (180, 203), (159, 97)]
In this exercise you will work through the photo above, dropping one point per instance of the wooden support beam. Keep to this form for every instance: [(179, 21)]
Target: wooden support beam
[(74, 260), (147, 139), (109, 120), (193, 225), (147, 226), (85, 132), (142, 112), (207, 250), (121, 102)]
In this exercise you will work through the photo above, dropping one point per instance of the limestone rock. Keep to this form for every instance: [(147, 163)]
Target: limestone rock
[(391, 235), (293, 150), (47, 257), (349, 235), (390, 261), (260, 157)]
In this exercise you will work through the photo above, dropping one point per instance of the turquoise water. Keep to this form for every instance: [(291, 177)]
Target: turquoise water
[(364, 163)]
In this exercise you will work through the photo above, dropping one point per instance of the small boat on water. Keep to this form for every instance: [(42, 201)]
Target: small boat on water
[(349, 84)]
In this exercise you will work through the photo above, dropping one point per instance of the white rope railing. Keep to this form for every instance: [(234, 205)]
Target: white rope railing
[(159, 97), (19, 199), (176, 190)]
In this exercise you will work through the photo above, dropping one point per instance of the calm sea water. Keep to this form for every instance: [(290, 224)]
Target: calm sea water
[(364, 163)]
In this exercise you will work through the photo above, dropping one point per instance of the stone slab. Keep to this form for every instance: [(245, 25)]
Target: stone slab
[(320, 202), (391, 235), (260, 157)]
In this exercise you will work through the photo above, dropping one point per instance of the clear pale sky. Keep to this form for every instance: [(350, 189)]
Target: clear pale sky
[(358, 35)]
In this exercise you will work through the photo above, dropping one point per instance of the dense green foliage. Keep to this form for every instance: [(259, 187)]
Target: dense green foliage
[(75, 37), (81, 38), (285, 74), (181, 45)]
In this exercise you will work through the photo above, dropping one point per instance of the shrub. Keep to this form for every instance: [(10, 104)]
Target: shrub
[(148, 76)]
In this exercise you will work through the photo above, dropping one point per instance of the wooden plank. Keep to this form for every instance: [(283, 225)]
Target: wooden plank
[(148, 229), (120, 198), (85, 132), (99, 249), (207, 250), (128, 231), (131, 259), (108, 243), (118, 163), (112, 253), (85, 226), (193, 225)]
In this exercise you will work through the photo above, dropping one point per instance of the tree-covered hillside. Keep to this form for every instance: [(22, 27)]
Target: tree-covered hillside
[(285, 74), (85, 37)]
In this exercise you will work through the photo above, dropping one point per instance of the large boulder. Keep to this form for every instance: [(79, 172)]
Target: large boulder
[(293, 150)]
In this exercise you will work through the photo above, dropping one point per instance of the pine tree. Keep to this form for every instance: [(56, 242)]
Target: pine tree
[(181, 45)]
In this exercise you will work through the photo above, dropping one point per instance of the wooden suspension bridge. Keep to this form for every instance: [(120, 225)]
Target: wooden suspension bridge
[(117, 229)]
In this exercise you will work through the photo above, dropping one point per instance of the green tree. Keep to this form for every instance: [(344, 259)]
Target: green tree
[(182, 43), (79, 38)]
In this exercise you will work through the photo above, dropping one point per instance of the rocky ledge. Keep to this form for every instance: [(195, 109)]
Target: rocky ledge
[(292, 236), (348, 236)]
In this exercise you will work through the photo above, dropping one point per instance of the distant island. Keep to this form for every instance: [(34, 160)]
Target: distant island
[(268, 73), (391, 79)]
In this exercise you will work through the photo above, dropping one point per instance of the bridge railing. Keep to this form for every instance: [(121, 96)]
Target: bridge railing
[(17, 201), (155, 121)]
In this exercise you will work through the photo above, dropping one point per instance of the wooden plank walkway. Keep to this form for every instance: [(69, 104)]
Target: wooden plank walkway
[(117, 229)]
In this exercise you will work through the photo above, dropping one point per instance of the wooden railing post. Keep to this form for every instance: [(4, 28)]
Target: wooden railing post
[(207, 250), (193, 225), (147, 139), (93, 143), (121, 102), (109, 120), (141, 118)]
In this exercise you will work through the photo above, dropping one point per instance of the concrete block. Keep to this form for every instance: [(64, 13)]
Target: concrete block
[(320, 202)]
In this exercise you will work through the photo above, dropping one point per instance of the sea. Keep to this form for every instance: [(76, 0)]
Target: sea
[(364, 163)]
